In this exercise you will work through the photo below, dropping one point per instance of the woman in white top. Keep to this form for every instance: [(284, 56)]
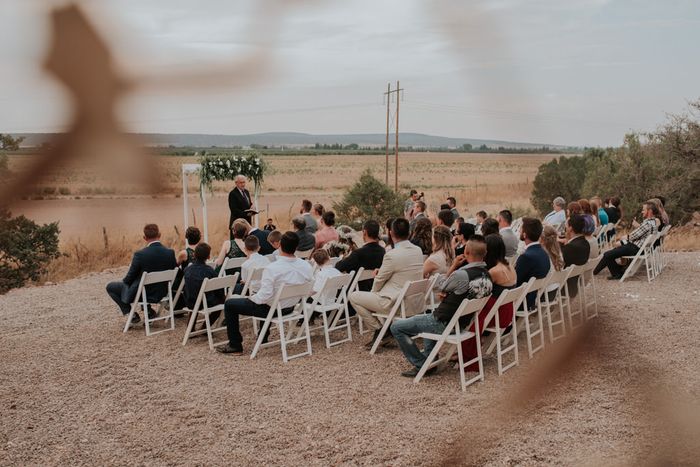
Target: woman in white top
[(443, 254)]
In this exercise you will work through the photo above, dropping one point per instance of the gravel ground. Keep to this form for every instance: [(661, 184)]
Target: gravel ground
[(75, 390)]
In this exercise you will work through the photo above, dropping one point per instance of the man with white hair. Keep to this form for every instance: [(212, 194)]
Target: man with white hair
[(239, 201), (557, 217)]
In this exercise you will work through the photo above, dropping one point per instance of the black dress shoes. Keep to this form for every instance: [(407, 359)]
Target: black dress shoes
[(230, 350)]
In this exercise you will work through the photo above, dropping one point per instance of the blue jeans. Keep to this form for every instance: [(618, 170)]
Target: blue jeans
[(403, 329)]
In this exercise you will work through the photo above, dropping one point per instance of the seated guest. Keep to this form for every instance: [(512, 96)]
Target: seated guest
[(612, 209), (445, 217), (386, 238), (269, 226), (410, 204), (255, 261), (418, 213), (558, 216), (325, 271), (664, 220), (234, 248), (274, 238), (597, 207), (489, 226), (550, 243), (464, 233), (306, 240), (348, 240), (452, 205), (505, 219), (184, 258), (309, 220), (401, 264), (534, 261), (317, 212), (265, 247), (630, 246), (481, 216), (576, 250), (464, 282), (287, 270), (503, 277), (444, 206), (369, 256), (326, 232), (442, 256), (155, 257), (587, 216), (455, 226), (195, 275), (422, 234)]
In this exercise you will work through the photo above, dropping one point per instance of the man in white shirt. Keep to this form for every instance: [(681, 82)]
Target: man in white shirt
[(557, 217), (287, 270), (255, 260), (505, 218)]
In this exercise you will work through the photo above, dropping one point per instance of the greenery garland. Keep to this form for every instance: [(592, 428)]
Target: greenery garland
[(224, 167)]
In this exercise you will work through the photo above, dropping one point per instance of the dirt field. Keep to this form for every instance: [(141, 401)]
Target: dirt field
[(77, 391), (478, 181)]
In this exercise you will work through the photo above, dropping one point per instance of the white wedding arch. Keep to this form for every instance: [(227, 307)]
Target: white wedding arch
[(220, 167)]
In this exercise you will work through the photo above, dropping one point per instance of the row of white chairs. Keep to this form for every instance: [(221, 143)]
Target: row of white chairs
[(651, 253), (557, 309)]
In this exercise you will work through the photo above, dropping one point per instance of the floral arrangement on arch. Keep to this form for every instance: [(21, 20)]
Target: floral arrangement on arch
[(224, 167)]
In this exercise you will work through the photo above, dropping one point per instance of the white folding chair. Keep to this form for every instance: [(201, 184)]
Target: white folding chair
[(538, 287), (644, 254), (231, 263), (577, 275), (412, 290), (152, 278), (306, 254), (454, 336), (275, 317), (431, 303), (361, 274), (335, 315), (559, 278), (662, 247), (587, 289), (202, 308), (493, 324)]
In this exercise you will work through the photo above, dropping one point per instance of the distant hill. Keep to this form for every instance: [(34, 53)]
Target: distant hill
[(305, 139)]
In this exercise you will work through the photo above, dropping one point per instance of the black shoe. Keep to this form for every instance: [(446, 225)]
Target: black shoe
[(230, 350), (614, 278), (135, 320), (414, 371), (370, 343)]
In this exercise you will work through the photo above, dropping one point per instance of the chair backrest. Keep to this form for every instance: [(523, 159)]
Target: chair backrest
[(591, 264), (333, 284), (219, 283), (159, 276), (466, 308), (412, 289), (255, 276), (293, 291), (231, 263), (538, 285), (514, 296), (306, 254), (361, 274), (560, 277)]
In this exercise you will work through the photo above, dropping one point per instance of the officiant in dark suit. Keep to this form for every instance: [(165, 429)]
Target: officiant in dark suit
[(239, 201)]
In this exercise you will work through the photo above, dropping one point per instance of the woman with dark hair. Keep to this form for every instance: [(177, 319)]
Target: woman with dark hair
[(326, 232), (388, 242), (503, 277), (587, 217), (442, 256), (422, 235), (465, 231), (193, 236), (235, 247)]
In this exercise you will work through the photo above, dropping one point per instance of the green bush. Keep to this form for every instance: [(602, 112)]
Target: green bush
[(368, 199), (25, 249), (661, 163)]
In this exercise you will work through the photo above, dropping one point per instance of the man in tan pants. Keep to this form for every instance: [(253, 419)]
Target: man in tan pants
[(402, 264)]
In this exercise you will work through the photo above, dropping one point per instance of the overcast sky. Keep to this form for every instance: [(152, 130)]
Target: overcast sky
[(578, 72)]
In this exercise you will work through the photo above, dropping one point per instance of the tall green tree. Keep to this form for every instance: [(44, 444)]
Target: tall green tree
[(368, 198)]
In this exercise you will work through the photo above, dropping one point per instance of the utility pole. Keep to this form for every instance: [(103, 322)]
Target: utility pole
[(388, 94), (386, 147)]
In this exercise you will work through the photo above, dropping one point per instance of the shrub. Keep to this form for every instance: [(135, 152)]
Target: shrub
[(560, 177), (368, 199), (25, 249)]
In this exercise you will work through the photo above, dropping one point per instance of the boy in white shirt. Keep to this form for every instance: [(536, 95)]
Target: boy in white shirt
[(255, 260), (325, 271), (274, 240)]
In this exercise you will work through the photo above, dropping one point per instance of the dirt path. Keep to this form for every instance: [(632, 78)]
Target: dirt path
[(75, 390)]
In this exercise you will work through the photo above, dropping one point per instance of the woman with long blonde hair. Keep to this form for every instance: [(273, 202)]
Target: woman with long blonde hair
[(443, 254), (550, 243)]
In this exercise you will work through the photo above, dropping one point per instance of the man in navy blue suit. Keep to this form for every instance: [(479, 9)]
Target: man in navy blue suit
[(155, 257), (534, 262)]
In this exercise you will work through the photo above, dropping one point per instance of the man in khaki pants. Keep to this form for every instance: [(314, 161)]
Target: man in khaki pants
[(402, 264)]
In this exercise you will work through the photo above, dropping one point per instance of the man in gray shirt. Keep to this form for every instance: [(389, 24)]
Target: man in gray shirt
[(452, 202), (505, 218), (306, 240), (305, 211)]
